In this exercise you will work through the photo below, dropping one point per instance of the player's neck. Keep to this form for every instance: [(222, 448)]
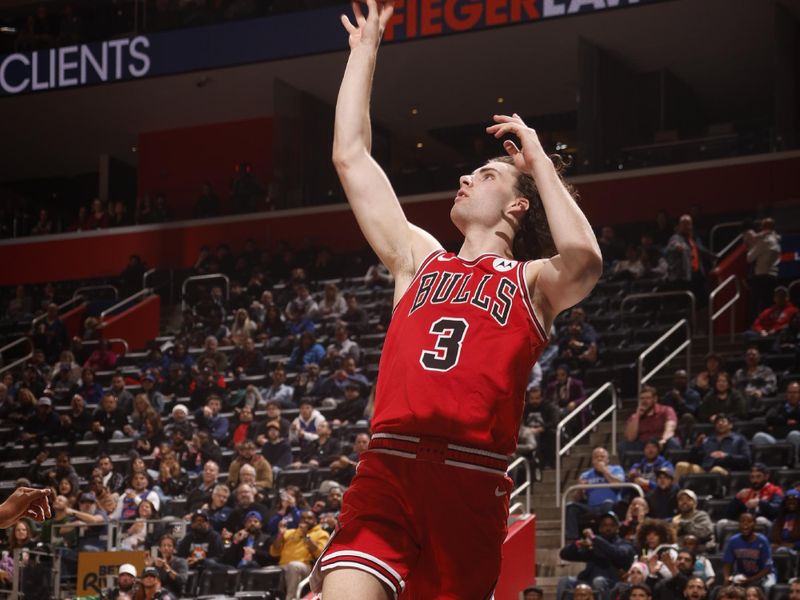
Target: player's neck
[(477, 243)]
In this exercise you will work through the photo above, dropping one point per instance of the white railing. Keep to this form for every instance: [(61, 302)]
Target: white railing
[(96, 288), (716, 228), (684, 293), (19, 361), (713, 316), (186, 281), (111, 341), (588, 486), (520, 461), (140, 294), (145, 276), (641, 378), (794, 284), (587, 430), (74, 300)]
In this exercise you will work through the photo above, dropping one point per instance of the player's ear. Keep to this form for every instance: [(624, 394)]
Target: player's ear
[(518, 207)]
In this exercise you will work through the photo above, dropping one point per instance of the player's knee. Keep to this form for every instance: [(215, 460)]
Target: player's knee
[(353, 584)]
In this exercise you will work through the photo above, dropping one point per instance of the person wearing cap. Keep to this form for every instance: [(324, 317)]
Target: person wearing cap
[(643, 472), (273, 408), (108, 422), (785, 532), (179, 417), (202, 547), (721, 452), (783, 420), (247, 456), (637, 573), (747, 558), (351, 409), (762, 500), (606, 554), (149, 382), (691, 521), (96, 518), (594, 501), (663, 498), (126, 583), (276, 449), (249, 547), (43, 426), (209, 417), (151, 586)]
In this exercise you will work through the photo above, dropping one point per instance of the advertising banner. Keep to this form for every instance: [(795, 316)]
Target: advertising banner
[(95, 567)]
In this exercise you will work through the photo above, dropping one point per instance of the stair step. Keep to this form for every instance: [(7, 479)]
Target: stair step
[(547, 512), (548, 539)]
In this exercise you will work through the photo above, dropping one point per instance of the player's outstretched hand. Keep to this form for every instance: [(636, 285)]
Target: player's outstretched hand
[(368, 30), (25, 502), (531, 153)]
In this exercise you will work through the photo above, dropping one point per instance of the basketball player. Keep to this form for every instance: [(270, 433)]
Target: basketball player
[(426, 514), (25, 502)]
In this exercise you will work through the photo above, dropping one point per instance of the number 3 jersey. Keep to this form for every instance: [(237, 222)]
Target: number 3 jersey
[(458, 353)]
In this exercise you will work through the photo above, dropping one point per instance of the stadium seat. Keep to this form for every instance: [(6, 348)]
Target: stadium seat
[(786, 477), (774, 455), (217, 582), (299, 477), (705, 484), (268, 579), (785, 565), (780, 591)]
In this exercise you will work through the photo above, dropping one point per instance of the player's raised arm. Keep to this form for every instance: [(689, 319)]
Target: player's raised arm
[(398, 244), (567, 278)]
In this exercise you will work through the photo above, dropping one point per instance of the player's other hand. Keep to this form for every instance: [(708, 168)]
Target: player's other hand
[(531, 152), (27, 502), (368, 30)]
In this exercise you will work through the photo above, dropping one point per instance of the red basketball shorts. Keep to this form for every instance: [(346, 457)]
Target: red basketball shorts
[(425, 517)]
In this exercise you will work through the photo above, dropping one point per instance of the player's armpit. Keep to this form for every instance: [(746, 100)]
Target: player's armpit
[(559, 287)]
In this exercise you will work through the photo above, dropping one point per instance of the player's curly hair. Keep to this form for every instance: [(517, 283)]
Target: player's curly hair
[(533, 239)]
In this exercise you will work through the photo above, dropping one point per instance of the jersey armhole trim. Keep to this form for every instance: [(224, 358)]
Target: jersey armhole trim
[(526, 298), (425, 262)]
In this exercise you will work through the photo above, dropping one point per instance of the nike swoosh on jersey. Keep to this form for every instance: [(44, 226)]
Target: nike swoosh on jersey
[(497, 492)]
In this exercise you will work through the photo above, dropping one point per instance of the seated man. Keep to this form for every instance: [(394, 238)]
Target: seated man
[(682, 398), (694, 522), (775, 318), (721, 452), (247, 456), (644, 472), (702, 566), (321, 452), (297, 549), (755, 380), (695, 589), (650, 420), (249, 548), (663, 498), (201, 546), (605, 554), (783, 420), (762, 500), (540, 419), (594, 501), (747, 559)]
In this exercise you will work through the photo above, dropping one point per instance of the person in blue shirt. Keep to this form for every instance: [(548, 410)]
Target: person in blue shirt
[(209, 417), (747, 560), (644, 471), (594, 502)]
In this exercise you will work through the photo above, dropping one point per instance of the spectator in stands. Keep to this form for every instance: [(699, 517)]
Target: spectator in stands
[(77, 421), (111, 479), (577, 349), (788, 339), (179, 418), (721, 452), (44, 225), (308, 383), (43, 426), (694, 522), (303, 429), (201, 546), (138, 491), (91, 391), (245, 503), (20, 306), (98, 218), (126, 583), (321, 452), (762, 499), (151, 586), (119, 216), (108, 422), (637, 511), (24, 406), (303, 302), (207, 383), (247, 361), (133, 536), (249, 546), (783, 420), (684, 256), (150, 389), (663, 498), (567, 393), (62, 387), (209, 417), (764, 254), (605, 554), (344, 468), (52, 336), (333, 386), (274, 415), (655, 542), (242, 328), (340, 348), (611, 248), (52, 533), (643, 472), (722, 399), (176, 384), (355, 317), (297, 549), (651, 420), (279, 392), (702, 566), (351, 410), (137, 416), (217, 507), (332, 303), (199, 491), (785, 532), (247, 456), (541, 419), (243, 427), (276, 449), (274, 329), (50, 476), (747, 559), (681, 571), (211, 351), (594, 502), (755, 380), (172, 479), (306, 351), (91, 537), (207, 204), (124, 397), (682, 398), (637, 574), (132, 277), (773, 319), (631, 267), (533, 593), (577, 315)]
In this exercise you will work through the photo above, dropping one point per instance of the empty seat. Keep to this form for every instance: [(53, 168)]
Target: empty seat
[(268, 579), (299, 477), (779, 591), (780, 454), (217, 582), (705, 484)]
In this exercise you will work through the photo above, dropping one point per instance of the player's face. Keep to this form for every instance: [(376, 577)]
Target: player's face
[(483, 196)]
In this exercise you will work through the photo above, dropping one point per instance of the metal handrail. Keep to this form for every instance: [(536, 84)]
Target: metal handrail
[(19, 361), (713, 316), (716, 228), (143, 293), (145, 276), (74, 300), (203, 277), (589, 486), (94, 288), (792, 285), (734, 242), (125, 345), (526, 486), (55, 574), (683, 293), (587, 430), (687, 344)]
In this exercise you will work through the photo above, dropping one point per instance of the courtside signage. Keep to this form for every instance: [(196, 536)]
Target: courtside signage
[(259, 40)]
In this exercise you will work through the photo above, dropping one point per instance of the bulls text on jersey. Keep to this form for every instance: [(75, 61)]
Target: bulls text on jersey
[(491, 293)]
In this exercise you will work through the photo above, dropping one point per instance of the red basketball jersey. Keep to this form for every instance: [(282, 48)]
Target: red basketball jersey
[(458, 353)]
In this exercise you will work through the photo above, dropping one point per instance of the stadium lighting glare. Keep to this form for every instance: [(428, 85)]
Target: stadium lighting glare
[(500, 99), (420, 145), (8, 30), (415, 111)]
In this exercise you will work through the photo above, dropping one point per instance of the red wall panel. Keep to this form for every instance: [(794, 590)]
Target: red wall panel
[(177, 161), (518, 570), (136, 325)]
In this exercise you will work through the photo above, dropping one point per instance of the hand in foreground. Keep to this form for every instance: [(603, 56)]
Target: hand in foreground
[(25, 502), (368, 30), (531, 153)]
